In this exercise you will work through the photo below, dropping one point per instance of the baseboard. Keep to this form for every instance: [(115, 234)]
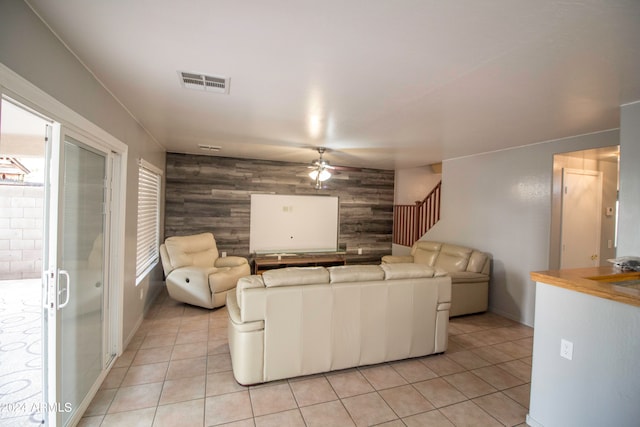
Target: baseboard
[(509, 316), (135, 328), (148, 304), (531, 422)]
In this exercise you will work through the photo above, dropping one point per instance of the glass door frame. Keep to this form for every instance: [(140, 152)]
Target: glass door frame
[(21, 91), (67, 280)]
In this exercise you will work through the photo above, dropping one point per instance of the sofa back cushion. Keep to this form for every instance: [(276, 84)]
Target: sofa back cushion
[(198, 250), (408, 271), (292, 276), (425, 252), (477, 261), (355, 273), (453, 258)]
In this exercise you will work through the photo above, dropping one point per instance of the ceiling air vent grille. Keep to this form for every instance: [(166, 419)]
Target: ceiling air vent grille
[(207, 147), (203, 82)]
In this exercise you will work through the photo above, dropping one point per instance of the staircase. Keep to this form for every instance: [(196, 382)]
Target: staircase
[(410, 222)]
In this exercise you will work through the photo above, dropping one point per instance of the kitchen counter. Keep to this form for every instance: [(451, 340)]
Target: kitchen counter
[(603, 282)]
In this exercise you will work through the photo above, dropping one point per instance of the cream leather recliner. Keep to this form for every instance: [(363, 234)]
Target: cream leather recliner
[(470, 272), (194, 272), (305, 320)]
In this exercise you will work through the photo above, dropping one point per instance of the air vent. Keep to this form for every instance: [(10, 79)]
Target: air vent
[(206, 147), (203, 82)]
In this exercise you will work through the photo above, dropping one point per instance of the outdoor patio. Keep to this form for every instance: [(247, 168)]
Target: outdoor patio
[(20, 352)]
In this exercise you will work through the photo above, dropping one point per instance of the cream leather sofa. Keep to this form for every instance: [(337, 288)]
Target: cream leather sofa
[(469, 269), (194, 272), (305, 320)]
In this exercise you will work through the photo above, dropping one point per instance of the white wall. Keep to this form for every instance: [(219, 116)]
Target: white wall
[(500, 203), (29, 49), (629, 219), (414, 184)]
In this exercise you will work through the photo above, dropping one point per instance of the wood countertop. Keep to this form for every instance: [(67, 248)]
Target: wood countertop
[(603, 282)]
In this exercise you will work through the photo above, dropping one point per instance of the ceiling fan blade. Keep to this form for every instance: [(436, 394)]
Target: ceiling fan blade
[(346, 168)]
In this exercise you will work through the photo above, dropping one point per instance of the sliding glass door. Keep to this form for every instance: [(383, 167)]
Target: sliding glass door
[(77, 274), (82, 256)]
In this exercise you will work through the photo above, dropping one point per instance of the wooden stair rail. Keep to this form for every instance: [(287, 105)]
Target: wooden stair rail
[(410, 222)]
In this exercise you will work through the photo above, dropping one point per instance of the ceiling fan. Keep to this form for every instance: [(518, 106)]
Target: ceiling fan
[(322, 171)]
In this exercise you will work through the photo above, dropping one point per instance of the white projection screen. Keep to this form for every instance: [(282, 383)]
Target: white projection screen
[(296, 224)]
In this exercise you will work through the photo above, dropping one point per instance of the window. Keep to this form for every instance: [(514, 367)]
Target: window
[(149, 183)]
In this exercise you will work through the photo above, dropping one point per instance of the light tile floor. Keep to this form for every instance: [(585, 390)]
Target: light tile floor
[(177, 372)]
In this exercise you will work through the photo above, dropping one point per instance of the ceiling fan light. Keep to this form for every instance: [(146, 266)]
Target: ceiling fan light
[(324, 175)]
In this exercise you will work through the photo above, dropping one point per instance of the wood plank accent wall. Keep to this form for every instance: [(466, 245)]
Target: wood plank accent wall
[(210, 193)]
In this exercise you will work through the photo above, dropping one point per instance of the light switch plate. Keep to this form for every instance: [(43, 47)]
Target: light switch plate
[(566, 349)]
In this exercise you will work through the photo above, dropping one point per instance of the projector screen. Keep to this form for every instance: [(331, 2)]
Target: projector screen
[(296, 224)]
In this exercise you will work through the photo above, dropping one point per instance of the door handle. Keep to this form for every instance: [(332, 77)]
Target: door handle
[(67, 288)]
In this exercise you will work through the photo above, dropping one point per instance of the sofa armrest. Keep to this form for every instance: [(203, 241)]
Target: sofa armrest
[(235, 317), (250, 298), (230, 261), (190, 285), (468, 277), (394, 259), (196, 276)]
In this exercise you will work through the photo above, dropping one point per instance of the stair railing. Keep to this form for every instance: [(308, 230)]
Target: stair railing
[(410, 222)]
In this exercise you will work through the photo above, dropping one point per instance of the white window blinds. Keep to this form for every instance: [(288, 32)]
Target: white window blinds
[(149, 183)]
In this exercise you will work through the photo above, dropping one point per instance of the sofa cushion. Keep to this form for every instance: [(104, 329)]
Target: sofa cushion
[(425, 252), (389, 259), (439, 272), (223, 279), (355, 273), (198, 250), (476, 262), (406, 271), (453, 258), (291, 276)]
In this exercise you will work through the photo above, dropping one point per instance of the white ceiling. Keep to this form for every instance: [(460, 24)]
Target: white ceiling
[(381, 83)]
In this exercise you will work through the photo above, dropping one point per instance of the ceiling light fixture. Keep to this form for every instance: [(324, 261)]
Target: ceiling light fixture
[(320, 169), (320, 175)]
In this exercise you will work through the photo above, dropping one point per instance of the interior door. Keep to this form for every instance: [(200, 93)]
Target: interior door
[(77, 274), (581, 218)]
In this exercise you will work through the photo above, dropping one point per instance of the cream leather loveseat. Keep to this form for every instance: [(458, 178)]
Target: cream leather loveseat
[(195, 273), (305, 320), (469, 270)]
